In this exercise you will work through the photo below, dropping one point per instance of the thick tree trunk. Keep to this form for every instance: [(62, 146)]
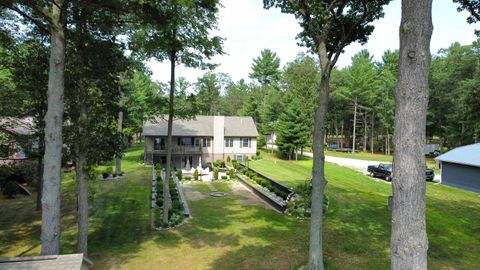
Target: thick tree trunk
[(409, 243), (118, 160), (166, 191), (82, 187), (315, 255), (354, 124), (50, 235)]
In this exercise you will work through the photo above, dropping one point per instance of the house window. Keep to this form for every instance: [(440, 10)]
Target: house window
[(228, 142), (244, 142), (238, 158), (207, 142), (159, 144), (185, 141), (198, 142)]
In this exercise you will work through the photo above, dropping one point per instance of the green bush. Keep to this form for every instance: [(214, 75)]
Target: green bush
[(11, 189), (109, 170), (219, 163), (257, 153), (224, 177), (229, 159), (231, 173), (188, 178), (215, 173), (180, 175), (195, 175)]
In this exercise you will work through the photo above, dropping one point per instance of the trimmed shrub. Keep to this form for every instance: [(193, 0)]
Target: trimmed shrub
[(188, 178), (180, 175), (231, 173), (215, 173), (229, 159), (219, 163), (11, 189), (195, 175), (257, 153), (224, 177)]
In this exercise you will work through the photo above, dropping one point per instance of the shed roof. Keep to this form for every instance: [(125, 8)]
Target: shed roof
[(466, 155), (201, 125), (17, 126), (54, 262)]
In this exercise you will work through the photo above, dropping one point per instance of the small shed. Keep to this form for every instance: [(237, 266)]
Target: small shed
[(51, 262), (460, 167)]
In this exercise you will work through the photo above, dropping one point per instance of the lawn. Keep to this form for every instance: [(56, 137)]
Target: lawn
[(357, 225), (224, 234)]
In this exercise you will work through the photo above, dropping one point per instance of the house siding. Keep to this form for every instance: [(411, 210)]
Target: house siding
[(461, 176)]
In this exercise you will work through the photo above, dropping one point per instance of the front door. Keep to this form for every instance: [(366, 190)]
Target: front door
[(185, 159)]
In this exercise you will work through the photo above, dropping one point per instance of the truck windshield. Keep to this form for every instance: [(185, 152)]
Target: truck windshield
[(388, 167)]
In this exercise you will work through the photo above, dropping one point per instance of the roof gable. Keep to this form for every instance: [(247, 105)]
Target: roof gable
[(465, 155)]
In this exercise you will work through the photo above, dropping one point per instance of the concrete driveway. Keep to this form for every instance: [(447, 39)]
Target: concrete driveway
[(357, 164)]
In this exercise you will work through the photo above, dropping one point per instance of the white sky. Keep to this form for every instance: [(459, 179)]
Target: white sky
[(248, 28)]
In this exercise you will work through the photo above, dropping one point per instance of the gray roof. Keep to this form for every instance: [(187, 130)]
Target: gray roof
[(54, 262), (240, 126), (17, 126), (465, 155), (235, 126)]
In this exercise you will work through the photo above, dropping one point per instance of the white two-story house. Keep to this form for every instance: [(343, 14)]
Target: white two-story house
[(201, 140)]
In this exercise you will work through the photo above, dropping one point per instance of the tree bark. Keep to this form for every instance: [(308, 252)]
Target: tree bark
[(166, 191), (354, 124), (82, 187), (315, 254), (50, 234), (118, 160), (409, 243), (372, 139), (365, 125), (41, 152)]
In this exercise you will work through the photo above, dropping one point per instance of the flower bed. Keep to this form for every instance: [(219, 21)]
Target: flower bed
[(268, 196), (178, 212)]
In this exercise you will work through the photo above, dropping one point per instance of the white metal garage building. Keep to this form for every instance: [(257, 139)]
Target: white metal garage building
[(460, 167)]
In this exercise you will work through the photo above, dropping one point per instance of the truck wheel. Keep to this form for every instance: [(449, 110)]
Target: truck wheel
[(388, 178), (371, 174)]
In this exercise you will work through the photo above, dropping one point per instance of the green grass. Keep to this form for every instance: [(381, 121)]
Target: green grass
[(228, 234), (223, 234), (357, 225)]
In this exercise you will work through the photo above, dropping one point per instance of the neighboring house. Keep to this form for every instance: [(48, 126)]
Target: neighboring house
[(49, 262), (17, 138), (201, 140), (460, 167)]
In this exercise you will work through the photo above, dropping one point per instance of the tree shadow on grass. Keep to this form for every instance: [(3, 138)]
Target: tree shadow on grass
[(453, 231)]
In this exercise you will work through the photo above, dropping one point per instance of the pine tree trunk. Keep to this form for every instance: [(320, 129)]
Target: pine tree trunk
[(409, 243), (343, 136), (118, 160), (354, 124), (365, 125), (82, 187), (315, 254), (372, 139), (50, 234), (166, 190)]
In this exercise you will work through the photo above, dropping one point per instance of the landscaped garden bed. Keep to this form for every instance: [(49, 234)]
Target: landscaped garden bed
[(266, 188), (179, 211)]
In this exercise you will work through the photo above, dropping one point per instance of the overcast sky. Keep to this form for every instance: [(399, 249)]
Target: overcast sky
[(248, 28)]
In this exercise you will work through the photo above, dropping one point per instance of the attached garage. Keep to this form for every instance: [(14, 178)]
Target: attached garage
[(460, 167)]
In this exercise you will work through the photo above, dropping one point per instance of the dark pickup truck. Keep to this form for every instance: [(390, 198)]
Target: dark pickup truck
[(384, 170)]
